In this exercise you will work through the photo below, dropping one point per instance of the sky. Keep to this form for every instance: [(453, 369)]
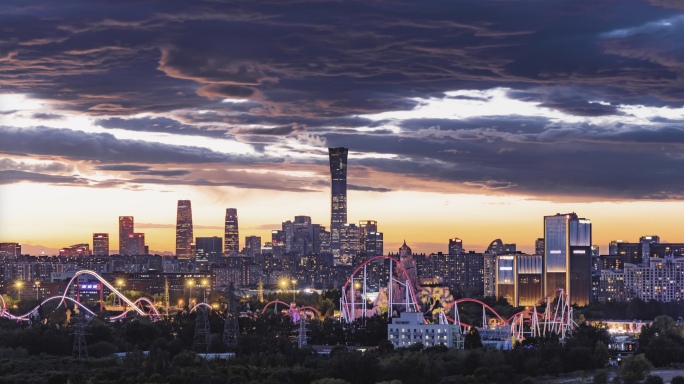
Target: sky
[(469, 118)]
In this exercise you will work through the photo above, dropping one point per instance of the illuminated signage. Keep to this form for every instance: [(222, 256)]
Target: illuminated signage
[(505, 268), (506, 257), (579, 251), (555, 252), (86, 287)]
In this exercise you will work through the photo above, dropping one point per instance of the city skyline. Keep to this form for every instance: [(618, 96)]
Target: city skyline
[(471, 120)]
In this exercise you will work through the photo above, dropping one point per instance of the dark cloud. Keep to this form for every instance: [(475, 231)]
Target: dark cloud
[(121, 167), (11, 177), (168, 173), (52, 166), (106, 148), (603, 169), (367, 189), (47, 116), (160, 124), (310, 70)]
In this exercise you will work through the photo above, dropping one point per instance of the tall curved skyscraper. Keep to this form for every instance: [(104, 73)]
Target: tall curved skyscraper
[(184, 229), (338, 198)]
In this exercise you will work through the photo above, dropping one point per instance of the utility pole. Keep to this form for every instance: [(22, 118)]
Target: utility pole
[(301, 335), (80, 350), (231, 328), (260, 295), (202, 332), (167, 304)]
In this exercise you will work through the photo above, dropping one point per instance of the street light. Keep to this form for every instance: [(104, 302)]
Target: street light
[(204, 285), (19, 284), (37, 285), (119, 284), (190, 283)]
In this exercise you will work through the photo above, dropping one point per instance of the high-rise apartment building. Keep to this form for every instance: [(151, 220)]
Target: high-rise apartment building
[(232, 238), (613, 246), (455, 246), (252, 245), (567, 256), (184, 233), (10, 250), (125, 229), (539, 246), (338, 199), (101, 244)]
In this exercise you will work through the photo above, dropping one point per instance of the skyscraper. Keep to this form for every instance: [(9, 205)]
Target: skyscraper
[(455, 246), (125, 229), (338, 198), (252, 245), (208, 249), (232, 238), (136, 244), (567, 256), (366, 227), (101, 244), (184, 234)]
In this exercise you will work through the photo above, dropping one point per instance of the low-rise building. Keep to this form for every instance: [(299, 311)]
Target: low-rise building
[(409, 328)]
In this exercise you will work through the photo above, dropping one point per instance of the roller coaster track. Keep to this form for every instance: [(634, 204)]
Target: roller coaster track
[(133, 305)]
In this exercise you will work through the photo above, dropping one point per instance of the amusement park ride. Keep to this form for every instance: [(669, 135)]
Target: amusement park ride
[(551, 315)]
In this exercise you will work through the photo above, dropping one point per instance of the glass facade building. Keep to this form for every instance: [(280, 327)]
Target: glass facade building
[(126, 228), (184, 233), (338, 199), (567, 256), (232, 238)]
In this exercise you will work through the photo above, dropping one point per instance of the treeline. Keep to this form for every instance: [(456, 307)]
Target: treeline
[(635, 309)]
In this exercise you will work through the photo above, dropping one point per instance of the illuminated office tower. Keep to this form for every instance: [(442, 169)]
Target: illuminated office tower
[(232, 239), (455, 246), (567, 256), (303, 235), (100, 244), (338, 198), (365, 228), (349, 243), (125, 229), (528, 287), (505, 278), (184, 234), (136, 244)]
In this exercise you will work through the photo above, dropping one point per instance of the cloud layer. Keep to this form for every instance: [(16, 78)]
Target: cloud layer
[(579, 100)]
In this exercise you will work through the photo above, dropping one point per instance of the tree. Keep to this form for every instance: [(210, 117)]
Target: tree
[(601, 355), (634, 369), (653, 379), (472, 339)]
